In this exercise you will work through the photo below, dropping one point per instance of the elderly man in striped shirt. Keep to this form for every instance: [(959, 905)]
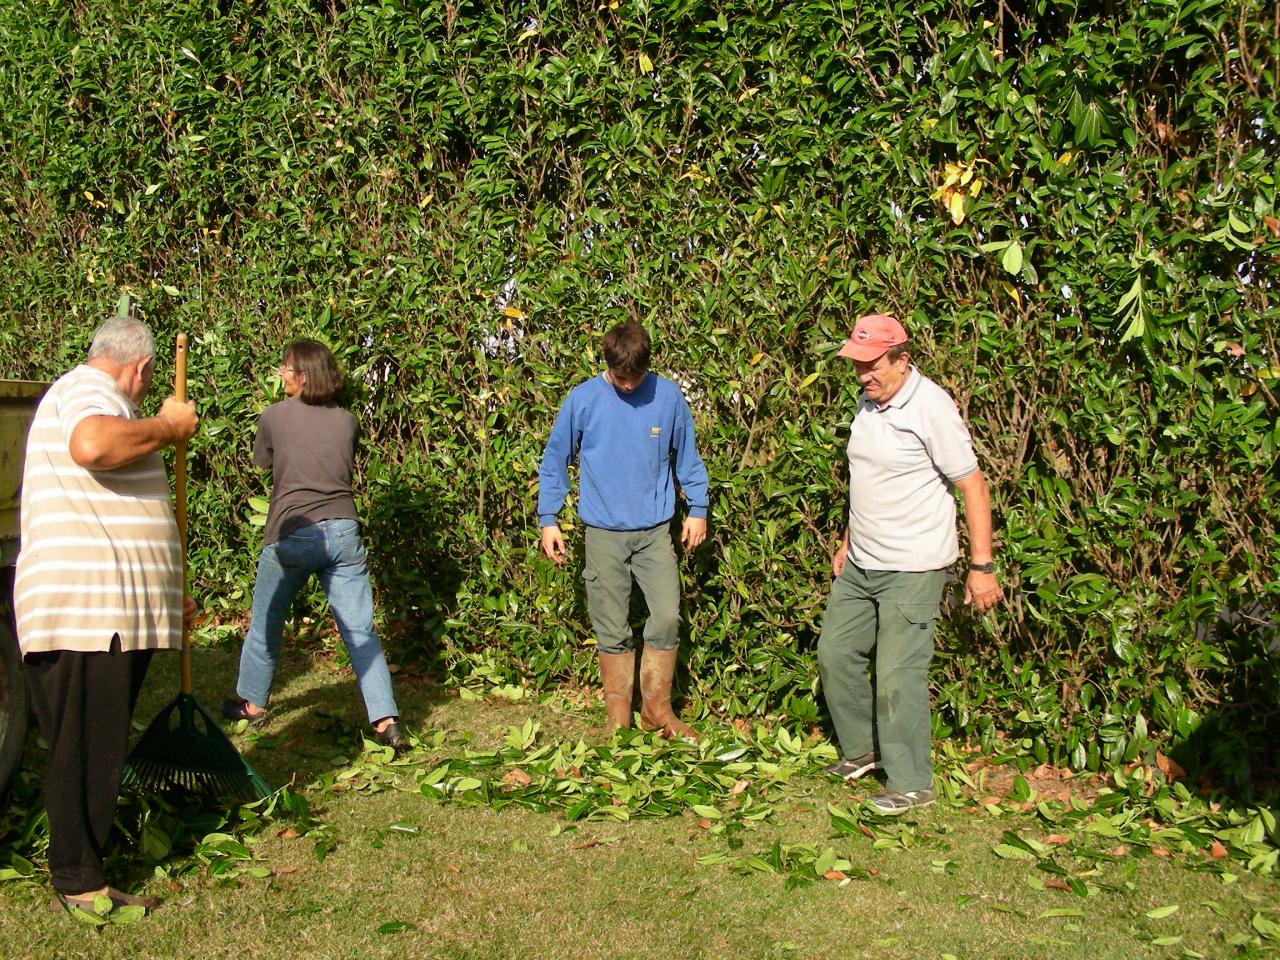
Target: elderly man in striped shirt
[(98, 587)]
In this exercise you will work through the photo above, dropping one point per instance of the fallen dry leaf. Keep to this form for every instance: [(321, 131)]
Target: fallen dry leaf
[(1056, 885), (1273, 225), (518, 777), (1161, 852), (451, 868), (288, 833), (1170, 768), (704, 823), (1217, 850), (739, 787), (834, 875), (1057, 838), (1120, 851), (990, 801), (283, 871)]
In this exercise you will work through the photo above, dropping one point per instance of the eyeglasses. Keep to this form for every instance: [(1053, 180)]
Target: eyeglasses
[(285, 368)]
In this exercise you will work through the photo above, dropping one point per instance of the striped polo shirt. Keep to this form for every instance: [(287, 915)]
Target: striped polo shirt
[(100, 555)]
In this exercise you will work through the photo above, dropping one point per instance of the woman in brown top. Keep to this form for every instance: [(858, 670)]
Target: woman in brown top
[(308, 442)]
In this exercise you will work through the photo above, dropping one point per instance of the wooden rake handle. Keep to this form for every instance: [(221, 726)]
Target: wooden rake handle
[(180, 498)]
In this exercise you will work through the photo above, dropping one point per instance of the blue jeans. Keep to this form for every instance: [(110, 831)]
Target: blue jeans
[(333, 551)]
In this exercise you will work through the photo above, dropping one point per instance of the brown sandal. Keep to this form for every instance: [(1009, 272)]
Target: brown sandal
[(118, 898)]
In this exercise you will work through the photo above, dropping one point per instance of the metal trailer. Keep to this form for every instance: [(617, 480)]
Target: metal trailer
[(18, 399)]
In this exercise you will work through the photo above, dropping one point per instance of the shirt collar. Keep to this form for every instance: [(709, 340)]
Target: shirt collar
[(109, 381)]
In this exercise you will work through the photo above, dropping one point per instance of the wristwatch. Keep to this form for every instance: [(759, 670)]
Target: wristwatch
[(988, 567)]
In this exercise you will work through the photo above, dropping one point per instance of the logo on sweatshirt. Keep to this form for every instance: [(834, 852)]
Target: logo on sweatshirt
[(655, 432)]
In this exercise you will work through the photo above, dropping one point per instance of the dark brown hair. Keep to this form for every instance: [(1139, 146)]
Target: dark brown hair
[(898, 349), (322, 380), (626, 349)]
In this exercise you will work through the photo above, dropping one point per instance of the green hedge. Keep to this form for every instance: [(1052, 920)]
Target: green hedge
[(461, 197)]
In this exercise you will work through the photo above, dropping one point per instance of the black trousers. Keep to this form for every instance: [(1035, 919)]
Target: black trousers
[(83, 702)]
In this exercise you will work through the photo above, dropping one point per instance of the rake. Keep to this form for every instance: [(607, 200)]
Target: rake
[(184, 748)]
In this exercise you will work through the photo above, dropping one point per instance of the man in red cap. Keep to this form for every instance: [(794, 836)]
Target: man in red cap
[(908, 451)]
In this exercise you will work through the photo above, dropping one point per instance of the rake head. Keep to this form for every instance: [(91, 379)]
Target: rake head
[(185, 749)]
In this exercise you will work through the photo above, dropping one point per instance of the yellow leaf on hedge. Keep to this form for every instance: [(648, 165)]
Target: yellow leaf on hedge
[(646, 65), (808, 380), (756, 359), (515, 313), (956, 207), (1271, 373)]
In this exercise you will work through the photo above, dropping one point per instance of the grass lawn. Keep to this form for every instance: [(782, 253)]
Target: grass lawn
[(412, 875)]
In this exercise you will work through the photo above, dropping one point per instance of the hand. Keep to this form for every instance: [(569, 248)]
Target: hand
[(553, 544), (693, 532), (180, 416), (838, 559), (982, 590), (188, 612)]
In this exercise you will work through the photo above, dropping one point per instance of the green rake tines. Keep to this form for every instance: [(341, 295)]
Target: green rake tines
[(187, 758)]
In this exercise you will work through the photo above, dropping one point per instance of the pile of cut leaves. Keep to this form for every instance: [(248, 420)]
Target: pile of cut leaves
[(180, 838), (728, 784), (737, 779)]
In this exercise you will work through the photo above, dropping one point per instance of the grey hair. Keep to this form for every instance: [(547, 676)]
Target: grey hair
[(123, 340)]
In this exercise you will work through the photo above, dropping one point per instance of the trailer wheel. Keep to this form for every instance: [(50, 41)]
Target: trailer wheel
[(13, 701)]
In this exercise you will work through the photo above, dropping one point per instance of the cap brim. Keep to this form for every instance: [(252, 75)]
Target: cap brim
[(864, 352)]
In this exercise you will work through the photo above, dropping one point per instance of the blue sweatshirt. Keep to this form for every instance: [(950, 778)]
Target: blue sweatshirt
[(625, 445)]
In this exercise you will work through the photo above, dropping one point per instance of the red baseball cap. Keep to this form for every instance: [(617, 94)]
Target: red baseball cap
[(873, 335)]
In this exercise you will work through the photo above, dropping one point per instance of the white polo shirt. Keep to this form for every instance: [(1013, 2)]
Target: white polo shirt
[(903, 457)]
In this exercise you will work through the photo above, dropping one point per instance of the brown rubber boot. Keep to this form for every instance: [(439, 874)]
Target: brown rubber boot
[(657, 668), (617, 675)]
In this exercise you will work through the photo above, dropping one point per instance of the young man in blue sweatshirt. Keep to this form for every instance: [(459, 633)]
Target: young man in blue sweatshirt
[(632, 435)]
